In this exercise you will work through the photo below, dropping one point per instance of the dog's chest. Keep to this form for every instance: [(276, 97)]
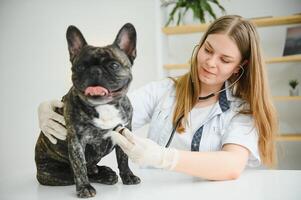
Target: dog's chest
[(109, 117)]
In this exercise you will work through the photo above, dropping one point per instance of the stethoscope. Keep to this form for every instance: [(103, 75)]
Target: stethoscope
[(201, 99)]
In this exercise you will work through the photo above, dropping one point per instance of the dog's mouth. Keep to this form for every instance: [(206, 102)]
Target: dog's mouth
[(99, 91), (96, 91)]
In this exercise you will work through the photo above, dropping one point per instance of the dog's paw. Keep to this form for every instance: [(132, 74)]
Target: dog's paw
[(130, 179), (86, 191), (105, 175)]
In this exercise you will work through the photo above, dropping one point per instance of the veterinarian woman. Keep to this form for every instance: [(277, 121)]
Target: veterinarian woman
[(221, 109)]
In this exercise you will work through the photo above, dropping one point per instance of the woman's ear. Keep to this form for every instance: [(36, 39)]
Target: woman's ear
[(242, 65), (236, 70)]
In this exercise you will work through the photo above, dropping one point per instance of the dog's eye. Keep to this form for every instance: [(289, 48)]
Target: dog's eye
[(114, 65), (80, 67)]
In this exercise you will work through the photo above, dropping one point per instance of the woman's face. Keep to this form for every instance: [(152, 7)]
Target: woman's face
[(218, 58)]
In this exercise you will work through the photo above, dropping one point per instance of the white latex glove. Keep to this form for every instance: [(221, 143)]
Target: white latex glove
[(143, 151), (48, 121)]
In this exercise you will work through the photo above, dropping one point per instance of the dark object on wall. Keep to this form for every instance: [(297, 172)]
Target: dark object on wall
[(293, 41)]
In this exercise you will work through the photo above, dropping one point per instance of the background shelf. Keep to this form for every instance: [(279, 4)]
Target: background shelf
[(260, 22), (287, 98), (292, 58), (289, 137)]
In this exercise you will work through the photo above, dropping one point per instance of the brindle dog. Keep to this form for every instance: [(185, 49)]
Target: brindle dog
[(94, 106)]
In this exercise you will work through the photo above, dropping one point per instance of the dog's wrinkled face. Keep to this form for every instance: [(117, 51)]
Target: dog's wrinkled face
[(102, 74)]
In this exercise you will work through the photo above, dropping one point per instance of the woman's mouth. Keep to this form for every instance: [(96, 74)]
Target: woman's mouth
[(208, 72)]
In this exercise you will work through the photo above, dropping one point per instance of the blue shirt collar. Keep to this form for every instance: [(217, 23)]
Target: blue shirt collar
[(225, 97)]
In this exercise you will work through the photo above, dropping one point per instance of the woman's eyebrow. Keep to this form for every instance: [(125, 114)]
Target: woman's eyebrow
[(208, 44), (222, 54)]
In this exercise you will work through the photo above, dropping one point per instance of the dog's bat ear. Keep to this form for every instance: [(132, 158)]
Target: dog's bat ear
[(126, 41), (76, 41)]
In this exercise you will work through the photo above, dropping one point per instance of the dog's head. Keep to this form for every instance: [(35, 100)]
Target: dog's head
[(102, 74)]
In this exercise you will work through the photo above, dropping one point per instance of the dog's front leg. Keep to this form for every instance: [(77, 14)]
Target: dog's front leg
[(77, 159), (125, 172)]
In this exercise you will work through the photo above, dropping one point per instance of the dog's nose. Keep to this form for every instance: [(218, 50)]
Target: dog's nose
[(95, 72)]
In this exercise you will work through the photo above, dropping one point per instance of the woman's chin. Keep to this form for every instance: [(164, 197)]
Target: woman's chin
[(207, 80)]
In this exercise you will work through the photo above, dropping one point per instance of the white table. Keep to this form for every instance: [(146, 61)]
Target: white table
[(159, 184)]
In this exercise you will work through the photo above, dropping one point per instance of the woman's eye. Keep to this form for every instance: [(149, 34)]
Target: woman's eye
[(207, 50), (225, 61)]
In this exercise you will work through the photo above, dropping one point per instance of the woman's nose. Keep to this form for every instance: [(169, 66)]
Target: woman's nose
[(211, 61)]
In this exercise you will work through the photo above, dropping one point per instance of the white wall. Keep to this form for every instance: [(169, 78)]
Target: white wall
[(34, 60)]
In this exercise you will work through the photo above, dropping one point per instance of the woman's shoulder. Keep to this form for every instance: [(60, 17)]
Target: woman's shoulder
[(160, 87), (163, 83), (235, 106), (239, 111), (154, 90), (238, 104)]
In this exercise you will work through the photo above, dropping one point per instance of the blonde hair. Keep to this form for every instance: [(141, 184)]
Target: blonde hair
[(252, 86)]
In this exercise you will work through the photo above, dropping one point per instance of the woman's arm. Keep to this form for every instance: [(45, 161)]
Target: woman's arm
[(145, 99), (226, 164)]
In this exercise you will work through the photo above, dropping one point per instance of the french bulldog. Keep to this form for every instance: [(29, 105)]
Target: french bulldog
[(95, 105)]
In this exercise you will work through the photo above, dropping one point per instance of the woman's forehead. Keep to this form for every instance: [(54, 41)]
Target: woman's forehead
[(224, 45)]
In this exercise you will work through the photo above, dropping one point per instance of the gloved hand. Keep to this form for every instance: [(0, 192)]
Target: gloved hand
[(48, 121), (143, 151)]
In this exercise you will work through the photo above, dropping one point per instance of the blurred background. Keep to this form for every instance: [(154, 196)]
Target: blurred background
[(35, 67)]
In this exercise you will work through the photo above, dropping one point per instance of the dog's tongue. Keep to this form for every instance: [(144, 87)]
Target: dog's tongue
[(96, 90)]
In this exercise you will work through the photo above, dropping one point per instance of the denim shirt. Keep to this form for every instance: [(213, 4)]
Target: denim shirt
[(154, 104)]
